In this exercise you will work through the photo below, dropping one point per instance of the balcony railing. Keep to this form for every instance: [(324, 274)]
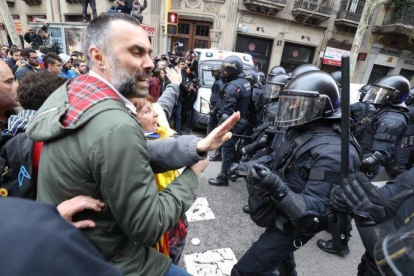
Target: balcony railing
[(403, 15), (321, 6), (265, 6), (349, 14)]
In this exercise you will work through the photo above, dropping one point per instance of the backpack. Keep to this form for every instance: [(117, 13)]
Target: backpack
[(16, 168)]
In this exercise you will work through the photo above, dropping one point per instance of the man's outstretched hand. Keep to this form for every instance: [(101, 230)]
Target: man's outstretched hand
[(67, 209), (219, 135)]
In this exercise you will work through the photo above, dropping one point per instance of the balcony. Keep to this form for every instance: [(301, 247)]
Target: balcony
[(398, 22), (312, 11), (270, 7), (33, 2), (349, 15)]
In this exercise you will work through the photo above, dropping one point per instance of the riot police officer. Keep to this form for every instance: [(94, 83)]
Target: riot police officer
[(216, 100), (255, 101), (261, 78), (384, 129), (293, 200), (337, 76), (404, 154), (237, 94), (358, 112)]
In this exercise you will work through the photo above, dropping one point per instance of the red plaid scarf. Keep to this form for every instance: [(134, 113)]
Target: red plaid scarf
[(84, 92)]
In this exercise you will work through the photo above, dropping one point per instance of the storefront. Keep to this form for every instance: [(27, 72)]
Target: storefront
[(382, 67), (259, 48), (295, 55)]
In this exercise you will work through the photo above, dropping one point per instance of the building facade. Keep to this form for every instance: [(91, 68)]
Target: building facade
[(274, 32)]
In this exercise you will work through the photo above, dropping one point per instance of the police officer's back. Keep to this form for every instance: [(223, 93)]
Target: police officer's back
[(237, 95), (308, 165), (359, 111), (385, 128)]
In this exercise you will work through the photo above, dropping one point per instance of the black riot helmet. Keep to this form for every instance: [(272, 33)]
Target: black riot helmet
[(216, 71), (308, 97), (232, 67), (410, 98), (394, 254), (303, 69), (337, 76), (388, 90), (261, 78), (276, 70), (363, 91), (274, 85), (251, 76)]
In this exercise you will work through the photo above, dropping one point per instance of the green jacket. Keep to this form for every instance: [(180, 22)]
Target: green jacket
[(105, 156)]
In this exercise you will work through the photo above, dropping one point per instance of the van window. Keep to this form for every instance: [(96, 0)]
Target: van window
[(207, 78)]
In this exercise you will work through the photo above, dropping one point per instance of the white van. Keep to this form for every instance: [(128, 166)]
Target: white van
[(206, 59)]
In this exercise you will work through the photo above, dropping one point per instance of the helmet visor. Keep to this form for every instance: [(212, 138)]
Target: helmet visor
[(272, 91), (378, 95), (296, 110), (394, 255)]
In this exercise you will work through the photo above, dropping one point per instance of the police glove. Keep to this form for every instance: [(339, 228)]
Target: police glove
[(261, 177), (371, 162), (239, 170), (364, 199)]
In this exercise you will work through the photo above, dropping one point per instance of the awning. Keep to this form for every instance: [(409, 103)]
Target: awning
[(333, 56), (149, 29)]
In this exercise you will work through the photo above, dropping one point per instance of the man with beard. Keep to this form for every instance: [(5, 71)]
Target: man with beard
[(16, 59), (94, 145), (29, 64), (67, 71), (8, 94)]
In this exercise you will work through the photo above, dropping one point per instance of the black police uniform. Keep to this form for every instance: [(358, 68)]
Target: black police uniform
[(237, 94), (404, 154), (309, 161), (358, 112), (216, 103), (383, 132)]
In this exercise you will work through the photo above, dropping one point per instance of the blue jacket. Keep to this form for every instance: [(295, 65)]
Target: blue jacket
[(68, 74)]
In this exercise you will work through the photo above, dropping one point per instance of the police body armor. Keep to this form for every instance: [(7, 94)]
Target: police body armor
[(215, 92), (359, 111), (241, 97), (293, 152), (367, 135), (408, 139)]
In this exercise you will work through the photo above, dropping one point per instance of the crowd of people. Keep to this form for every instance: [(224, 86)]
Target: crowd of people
[(86, 135)]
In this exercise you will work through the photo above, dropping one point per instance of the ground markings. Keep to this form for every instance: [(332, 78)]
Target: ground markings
[(216, 262), (200, 210)]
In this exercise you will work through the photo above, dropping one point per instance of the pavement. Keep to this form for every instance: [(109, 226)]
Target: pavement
[(224, 233)]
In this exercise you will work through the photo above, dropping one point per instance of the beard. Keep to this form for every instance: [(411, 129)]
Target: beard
[(124, 82)]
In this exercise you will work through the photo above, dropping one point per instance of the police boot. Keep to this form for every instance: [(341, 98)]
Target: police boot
[(216, 156), (221, 180), (334, 246), (246, 209)]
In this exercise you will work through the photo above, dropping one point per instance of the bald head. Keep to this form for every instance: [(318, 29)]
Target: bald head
[(8, 89)]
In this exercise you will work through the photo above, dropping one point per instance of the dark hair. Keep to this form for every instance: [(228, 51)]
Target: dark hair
[(51, 58), (35, 88), (157, 73), (43, 49), (77, 62), (98, 33), (27, 51), (14, 50)]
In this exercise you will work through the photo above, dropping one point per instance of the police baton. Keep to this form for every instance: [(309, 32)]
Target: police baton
[(345, 131)]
